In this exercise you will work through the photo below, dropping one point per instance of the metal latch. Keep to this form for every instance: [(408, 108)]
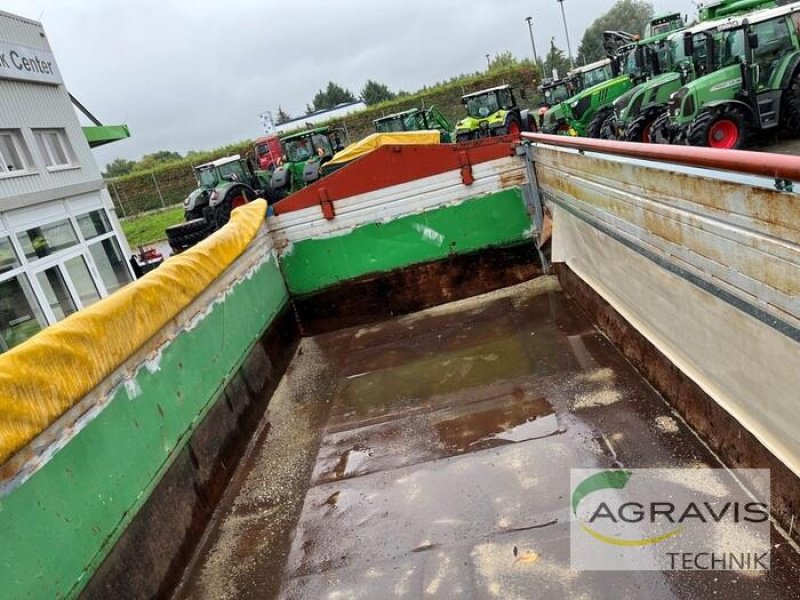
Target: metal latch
[(466, 168), (327, 206)]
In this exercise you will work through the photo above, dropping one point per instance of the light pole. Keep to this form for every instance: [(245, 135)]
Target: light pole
[(566, 31), (533, 43), (488, 62)]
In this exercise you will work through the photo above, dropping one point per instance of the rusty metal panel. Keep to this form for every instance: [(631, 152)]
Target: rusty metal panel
[(744, 238), (704, 263)]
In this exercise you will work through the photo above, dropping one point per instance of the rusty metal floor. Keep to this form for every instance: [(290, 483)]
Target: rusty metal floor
[(411, 458)]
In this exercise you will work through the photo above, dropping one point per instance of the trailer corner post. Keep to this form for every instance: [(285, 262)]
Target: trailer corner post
[(533, 199)]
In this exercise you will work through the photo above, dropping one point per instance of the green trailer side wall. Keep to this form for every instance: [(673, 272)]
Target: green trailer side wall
[(83, 498), (498, 219)]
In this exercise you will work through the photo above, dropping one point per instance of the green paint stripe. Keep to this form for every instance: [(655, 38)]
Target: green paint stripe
[(498, 219), (59, 526)]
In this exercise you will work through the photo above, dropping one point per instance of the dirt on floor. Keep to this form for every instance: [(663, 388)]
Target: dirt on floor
[(429, 456)]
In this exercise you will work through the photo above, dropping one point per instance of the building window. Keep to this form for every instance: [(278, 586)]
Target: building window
[(8, 257), (20, 315), (14, 155), (111, 264), (94, 224), (54, 147), (44, 240)]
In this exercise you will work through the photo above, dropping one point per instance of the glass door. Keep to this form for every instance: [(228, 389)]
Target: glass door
[(67, 286)]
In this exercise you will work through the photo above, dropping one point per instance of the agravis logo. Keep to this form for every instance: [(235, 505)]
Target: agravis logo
[(663, 519), (616, 480)]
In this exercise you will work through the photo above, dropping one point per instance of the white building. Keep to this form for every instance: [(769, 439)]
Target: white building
[(61, 247)]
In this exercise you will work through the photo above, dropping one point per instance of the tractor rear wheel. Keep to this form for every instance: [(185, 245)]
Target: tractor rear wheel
[(720, 127), (513, 127), (791, 106), (186, 235), (235, 198), (641, 129), (596, 125)]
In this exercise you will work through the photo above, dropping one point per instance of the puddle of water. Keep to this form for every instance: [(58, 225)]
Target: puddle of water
[(412, 383), (535, 427), (352, 461), (516, 421)]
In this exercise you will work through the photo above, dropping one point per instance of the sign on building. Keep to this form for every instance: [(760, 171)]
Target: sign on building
[(28, 64)]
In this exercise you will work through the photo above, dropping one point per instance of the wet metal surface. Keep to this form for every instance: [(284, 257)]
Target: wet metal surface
[(443, 443)]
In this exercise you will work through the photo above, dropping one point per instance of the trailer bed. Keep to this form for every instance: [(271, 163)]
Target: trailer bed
[(429, 456)]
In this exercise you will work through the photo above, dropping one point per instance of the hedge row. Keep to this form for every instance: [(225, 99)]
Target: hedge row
[(139, 192)]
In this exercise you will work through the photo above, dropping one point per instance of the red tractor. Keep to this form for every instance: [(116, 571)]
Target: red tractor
[(268, 152)]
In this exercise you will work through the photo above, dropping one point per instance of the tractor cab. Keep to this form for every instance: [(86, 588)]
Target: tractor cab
[(229, 169), (491, 112), (482, 105), (664, 24), (304, 154), (556, 91), (408, 120)]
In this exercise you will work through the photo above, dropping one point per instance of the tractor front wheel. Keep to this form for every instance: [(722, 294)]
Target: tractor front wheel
[(660, 130), (722, 127), (641, 129), (596, 125), (608, 130), (791, 106)]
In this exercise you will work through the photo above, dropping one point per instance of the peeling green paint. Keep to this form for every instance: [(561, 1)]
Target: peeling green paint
[(499, 219), (59, 525)]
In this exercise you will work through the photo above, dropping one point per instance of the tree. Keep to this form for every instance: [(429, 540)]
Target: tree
[(309, 109), (282, 116), (375, 92), (502, 61), (332, 96), (155, 159), (118, 167), (631, 16), (556, 60)]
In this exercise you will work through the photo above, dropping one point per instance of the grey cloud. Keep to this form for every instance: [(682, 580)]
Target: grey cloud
[(196, 74)]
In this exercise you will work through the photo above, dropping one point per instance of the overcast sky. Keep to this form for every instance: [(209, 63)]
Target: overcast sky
[(195, 74)]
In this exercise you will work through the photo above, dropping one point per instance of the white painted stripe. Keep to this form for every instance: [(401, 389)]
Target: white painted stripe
[(390, 203)]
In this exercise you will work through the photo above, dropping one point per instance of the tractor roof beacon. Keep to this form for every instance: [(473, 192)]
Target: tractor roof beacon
[(222, 185), (304, 154), (492, 112), (641, 112), (754, 88)]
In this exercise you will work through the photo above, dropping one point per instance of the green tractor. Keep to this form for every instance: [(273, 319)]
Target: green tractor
[(304, 155), (222, 185), (755, 87), (492, 112), (690, 54), (416, 120), (591, 113), (552, 117)]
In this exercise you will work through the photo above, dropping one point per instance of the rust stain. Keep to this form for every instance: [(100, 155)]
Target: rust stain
[(514, 178)]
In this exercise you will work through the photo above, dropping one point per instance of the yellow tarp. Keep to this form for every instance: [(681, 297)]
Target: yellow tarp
[(45, 376), (376, 140)]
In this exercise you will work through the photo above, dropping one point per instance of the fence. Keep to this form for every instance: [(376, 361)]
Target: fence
[(169, 185)]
